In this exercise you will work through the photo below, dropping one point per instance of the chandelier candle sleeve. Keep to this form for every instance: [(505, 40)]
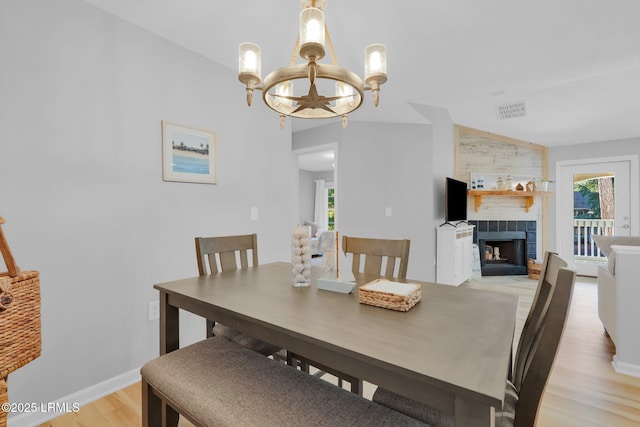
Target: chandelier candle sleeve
[(249, 67), (312, 34), (250, 63), (375, 68)]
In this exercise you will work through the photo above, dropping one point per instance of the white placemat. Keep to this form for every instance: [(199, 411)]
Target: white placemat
[(397, 288)]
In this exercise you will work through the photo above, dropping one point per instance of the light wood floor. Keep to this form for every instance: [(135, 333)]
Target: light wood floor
[(583, 389)]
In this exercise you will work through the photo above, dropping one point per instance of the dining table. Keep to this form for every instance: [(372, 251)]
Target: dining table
[(451, 351)]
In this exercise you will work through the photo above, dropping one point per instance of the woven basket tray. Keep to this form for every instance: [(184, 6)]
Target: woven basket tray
[(20, 340), (20, 329), (371, 295)]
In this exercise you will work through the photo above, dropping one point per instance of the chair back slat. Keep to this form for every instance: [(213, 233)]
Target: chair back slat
[(391, 265), (228, 260), (355, 264), (225, 251), (244, 263), (213, 265), (377, 252), (373, 264)]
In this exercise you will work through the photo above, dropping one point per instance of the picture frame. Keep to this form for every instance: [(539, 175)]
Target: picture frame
[(188, 154)]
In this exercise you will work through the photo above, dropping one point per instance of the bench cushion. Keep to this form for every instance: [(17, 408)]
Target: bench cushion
[(217, 382)]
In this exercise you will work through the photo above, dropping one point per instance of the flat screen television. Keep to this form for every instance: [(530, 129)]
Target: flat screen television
[(455, 201)]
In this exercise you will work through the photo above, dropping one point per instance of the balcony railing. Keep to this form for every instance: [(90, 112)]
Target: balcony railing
[(584, 246)]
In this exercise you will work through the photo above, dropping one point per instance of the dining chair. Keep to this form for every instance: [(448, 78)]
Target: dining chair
[(551, 265), (218, 254), (382, 258), (533, 362)]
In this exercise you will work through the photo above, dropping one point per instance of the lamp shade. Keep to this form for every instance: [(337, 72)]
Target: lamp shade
[(312, 33), (249, 63), (375, 64)]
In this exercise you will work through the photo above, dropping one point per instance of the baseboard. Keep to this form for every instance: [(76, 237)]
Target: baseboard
[(49, 411), (625, 368)]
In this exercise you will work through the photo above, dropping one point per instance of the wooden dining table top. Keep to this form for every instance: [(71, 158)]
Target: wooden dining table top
[(456, 342)]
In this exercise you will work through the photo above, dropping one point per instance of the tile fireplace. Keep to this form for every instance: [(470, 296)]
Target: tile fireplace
[(505, 246)]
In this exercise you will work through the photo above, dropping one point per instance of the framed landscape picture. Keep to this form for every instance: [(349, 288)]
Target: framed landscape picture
[(188, 154)]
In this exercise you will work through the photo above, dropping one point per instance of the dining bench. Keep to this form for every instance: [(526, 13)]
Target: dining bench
[(216, 382)]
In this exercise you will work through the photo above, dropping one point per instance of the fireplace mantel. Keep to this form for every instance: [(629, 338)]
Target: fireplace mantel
[(529, 196)]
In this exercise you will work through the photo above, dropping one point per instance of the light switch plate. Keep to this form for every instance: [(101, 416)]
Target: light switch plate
[(153, 311)]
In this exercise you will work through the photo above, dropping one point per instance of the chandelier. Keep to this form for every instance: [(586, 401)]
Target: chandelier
[(343, 87)]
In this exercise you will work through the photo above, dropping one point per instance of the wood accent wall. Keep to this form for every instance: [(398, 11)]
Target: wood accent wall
[(478, 151)]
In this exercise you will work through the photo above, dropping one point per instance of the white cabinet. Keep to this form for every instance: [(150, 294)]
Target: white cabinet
[(454, 254)]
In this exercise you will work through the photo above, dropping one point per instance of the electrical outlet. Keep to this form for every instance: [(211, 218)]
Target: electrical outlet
[(153, 311)]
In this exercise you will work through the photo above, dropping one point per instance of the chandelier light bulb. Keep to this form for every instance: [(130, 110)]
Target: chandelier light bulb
[(375, 62), (251, 60), (345, 94), (283, 91), (313, 30)]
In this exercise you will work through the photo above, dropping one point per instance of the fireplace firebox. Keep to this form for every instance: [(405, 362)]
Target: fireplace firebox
[(502, 253), (505, 246)]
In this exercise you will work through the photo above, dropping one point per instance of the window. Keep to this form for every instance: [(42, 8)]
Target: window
[(331, 212)]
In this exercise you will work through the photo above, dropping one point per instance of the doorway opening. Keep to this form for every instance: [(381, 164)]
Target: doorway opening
[(594, 197), (315, 187)]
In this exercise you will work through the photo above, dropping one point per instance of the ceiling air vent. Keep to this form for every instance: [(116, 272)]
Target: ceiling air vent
[(511, 110)]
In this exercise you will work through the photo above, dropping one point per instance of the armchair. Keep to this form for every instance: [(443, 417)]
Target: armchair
[(619, 299)]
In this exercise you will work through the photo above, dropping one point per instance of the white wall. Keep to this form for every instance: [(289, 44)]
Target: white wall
[(82, 98), (383, 165), (442, 157)]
